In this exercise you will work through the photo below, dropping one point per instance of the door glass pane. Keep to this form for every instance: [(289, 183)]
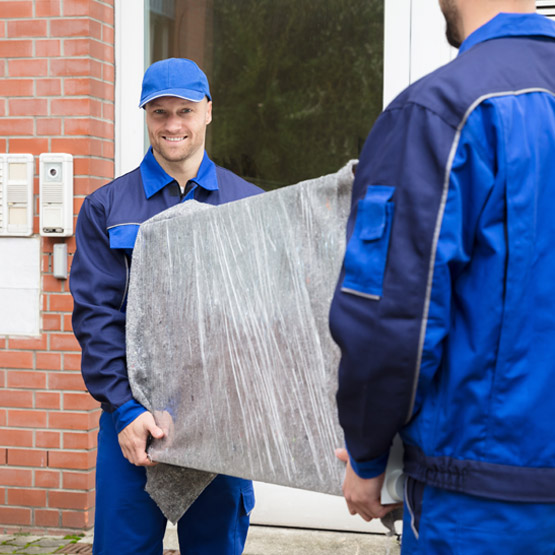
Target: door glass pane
[(296, 84)]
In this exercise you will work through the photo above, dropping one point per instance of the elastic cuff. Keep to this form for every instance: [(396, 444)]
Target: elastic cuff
[(124, 415), (369, 469)]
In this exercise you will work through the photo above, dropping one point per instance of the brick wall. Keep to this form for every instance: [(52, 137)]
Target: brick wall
[(56, 95)]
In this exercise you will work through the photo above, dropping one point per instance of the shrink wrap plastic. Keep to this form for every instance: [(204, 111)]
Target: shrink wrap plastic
[(228, 341)]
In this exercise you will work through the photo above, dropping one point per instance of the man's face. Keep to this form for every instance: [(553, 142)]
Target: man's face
[(177, 127), (453, 31)]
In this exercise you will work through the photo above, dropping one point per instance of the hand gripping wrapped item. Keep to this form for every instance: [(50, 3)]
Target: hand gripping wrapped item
[(228, 341)]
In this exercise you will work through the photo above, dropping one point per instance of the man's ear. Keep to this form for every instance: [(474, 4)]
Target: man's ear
[(209, 112)]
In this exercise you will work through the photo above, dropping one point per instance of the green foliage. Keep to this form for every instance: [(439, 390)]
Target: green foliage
[(296, 85)]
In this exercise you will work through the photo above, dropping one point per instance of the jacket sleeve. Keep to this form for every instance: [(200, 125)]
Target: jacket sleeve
[(378, 313), (98, 283)]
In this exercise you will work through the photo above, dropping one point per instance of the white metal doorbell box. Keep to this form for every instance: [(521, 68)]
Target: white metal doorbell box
[(56, 194)]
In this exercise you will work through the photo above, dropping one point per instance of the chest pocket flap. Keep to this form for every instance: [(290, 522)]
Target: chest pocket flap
[(366, 254), (123, 236)]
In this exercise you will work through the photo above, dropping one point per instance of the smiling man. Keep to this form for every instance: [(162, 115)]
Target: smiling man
[(178, 105)]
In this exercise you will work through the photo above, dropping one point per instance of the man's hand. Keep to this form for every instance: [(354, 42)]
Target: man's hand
[(363, 495), (132, 439)]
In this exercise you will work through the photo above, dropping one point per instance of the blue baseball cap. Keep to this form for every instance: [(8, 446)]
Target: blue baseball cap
[(174, 77)]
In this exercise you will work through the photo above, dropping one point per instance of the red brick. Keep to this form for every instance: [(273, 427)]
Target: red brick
[(72, 362), (71, 107), (66, 381), (32, 146), (108, 72), (27, 457), (108, 34), (75, 460), (16, 126), (71, 420), (47, 8), (108, 149), (16, 48), (77, 47), (16, 438), (47, 126), (50, 283), (78, 147), (50, 322), (28, 68), (28, 107), (11, 515), (28, 343), (47, 440), (63, 341), (48, 48), (79, 401), (76, 7), (16, 398), (104, 13), (49, 87), (62, 302), (46, 518), (108, 110), (27, 497), (68, 326), (27, 418), (16, 477), (3, 455), (70, 27), (78, 480), (15, 9), (71, 499), (16, 359), (78, 126), (27, 28), (99, 168), (23, 379), (47, 400), (3, 417), (81, 520), (47, 478), (80, 440), (16, 87), (49, 361)]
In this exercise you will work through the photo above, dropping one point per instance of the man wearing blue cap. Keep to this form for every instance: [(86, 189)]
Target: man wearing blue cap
[(178, 106)]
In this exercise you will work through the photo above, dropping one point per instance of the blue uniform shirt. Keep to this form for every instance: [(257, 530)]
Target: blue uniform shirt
[(444, 310), (106, 231)]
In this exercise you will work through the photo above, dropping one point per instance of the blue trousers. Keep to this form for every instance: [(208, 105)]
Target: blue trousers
[(128, 522), (441, 522)]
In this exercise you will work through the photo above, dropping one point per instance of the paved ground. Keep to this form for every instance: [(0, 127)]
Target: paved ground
[(262, 540)]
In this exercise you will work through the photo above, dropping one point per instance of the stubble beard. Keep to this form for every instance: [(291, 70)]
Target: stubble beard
[(453, 23)]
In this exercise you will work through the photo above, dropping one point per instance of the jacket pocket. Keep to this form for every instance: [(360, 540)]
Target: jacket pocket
[(123, 236), (366, 254)]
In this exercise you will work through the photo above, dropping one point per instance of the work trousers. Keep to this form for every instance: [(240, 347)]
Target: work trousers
[(128, 521), (441, 522)]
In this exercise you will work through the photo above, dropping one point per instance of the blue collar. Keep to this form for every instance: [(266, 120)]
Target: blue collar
[(155, 178), (510, 25)]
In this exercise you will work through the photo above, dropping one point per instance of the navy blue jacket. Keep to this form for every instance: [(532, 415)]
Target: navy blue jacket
[(106, 231), (445, 307)]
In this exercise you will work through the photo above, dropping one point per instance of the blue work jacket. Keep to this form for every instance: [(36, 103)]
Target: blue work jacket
[(445, 307), (107, 227)]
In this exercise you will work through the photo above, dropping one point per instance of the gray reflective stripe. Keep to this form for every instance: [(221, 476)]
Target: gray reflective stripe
[(439, 222), (359, 294), (126, 282), (121, 225)]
